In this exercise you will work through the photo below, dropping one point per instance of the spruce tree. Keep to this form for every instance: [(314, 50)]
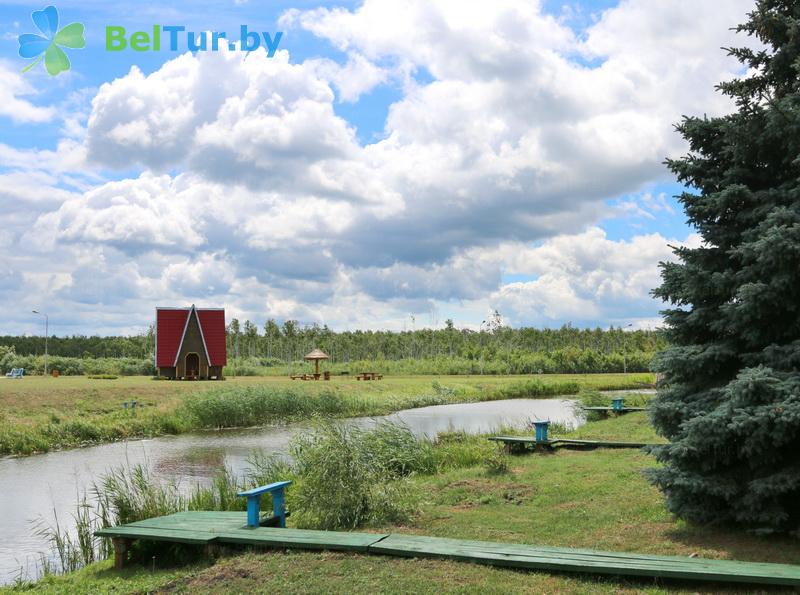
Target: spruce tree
[(729, 402)]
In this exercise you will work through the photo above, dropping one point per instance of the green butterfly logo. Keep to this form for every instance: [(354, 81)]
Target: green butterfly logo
[(47, 47)]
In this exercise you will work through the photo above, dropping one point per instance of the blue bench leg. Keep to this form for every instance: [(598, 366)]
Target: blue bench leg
[(541, 430), (279, 507), (253, 511)]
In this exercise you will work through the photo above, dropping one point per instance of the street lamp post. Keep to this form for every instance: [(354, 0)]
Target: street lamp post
[(625, 353), (480, 332), (46, 333)]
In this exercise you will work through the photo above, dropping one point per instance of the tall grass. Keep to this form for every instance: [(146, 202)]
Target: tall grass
[(71, 546), (82, 431), (255, 405), (259, 404), (534, 388)]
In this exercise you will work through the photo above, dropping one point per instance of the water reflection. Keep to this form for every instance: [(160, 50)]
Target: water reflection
[(193, 462)]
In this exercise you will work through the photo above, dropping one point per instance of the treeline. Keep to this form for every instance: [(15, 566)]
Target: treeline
[(278, 349), (560, 361), (136, 346), (289, 342)]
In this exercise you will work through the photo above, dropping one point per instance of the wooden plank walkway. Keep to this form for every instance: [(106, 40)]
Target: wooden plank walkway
[(230, 527), (612, 410), (204, 528), (524, 441), (588, 561)]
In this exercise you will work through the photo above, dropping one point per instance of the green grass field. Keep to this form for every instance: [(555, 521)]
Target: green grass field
[(588, 499), (42, 413)]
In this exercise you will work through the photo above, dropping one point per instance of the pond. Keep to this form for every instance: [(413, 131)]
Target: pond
[(40, 486)]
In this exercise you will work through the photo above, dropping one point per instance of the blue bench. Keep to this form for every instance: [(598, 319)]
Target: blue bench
[(253, 496), (541, 430), (16, 373)]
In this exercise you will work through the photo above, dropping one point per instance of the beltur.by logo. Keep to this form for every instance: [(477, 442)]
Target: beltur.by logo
[(49, 44), (172, 36)]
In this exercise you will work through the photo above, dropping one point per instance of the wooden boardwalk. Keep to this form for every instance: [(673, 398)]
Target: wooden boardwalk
[(613, 410), (207, 528)]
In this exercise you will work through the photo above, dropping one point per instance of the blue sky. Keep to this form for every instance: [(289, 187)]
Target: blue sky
[(440, 160)]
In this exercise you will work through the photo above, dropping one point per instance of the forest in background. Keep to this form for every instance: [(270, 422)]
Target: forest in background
[(279, 348)]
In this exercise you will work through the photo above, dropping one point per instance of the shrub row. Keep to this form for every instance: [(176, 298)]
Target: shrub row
[(75, 366)]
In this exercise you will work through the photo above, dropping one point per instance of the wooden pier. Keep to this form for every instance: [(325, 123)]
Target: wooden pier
[(617, 406), (542, 440), (215, 528), (551, 443), (614, 410)]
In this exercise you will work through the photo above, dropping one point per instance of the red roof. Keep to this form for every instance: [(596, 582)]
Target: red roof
[(212, 322), (171, 326)]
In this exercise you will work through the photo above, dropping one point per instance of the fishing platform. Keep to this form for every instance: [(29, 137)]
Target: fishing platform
[(617, 407), (541, 440)]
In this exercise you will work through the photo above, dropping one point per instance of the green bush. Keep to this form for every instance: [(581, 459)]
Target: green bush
[(74, 366), (496, 463), (344, 484), (396, 449)]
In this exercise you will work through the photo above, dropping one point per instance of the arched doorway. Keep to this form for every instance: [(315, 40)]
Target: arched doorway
[(192, 365)]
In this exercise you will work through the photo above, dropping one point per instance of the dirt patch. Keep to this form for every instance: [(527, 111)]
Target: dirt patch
[(486, 491), (220, 574), (567, 505)]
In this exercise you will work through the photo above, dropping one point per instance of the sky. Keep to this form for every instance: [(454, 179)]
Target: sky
[(392, 165)]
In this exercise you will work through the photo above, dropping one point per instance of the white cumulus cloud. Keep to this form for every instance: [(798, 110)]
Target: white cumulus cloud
[(510, 136)]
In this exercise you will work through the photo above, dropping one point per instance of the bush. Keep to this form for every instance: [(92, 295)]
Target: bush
[(345, 485), (103, 376), (74, 366), (497, 463), (397, 450)]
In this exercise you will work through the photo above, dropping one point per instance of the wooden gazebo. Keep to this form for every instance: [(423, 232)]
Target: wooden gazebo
[(317, 355)]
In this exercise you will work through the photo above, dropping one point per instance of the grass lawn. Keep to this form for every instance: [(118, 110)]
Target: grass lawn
[(588, 499), (40, 413)]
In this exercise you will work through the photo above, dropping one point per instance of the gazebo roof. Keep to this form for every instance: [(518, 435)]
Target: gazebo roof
[(316, 354)]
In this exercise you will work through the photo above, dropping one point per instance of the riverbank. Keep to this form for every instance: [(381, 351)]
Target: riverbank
[(39, 414), (587, 499)]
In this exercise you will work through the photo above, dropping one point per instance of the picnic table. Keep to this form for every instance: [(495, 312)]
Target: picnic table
[(369, 376), (324, 376)]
